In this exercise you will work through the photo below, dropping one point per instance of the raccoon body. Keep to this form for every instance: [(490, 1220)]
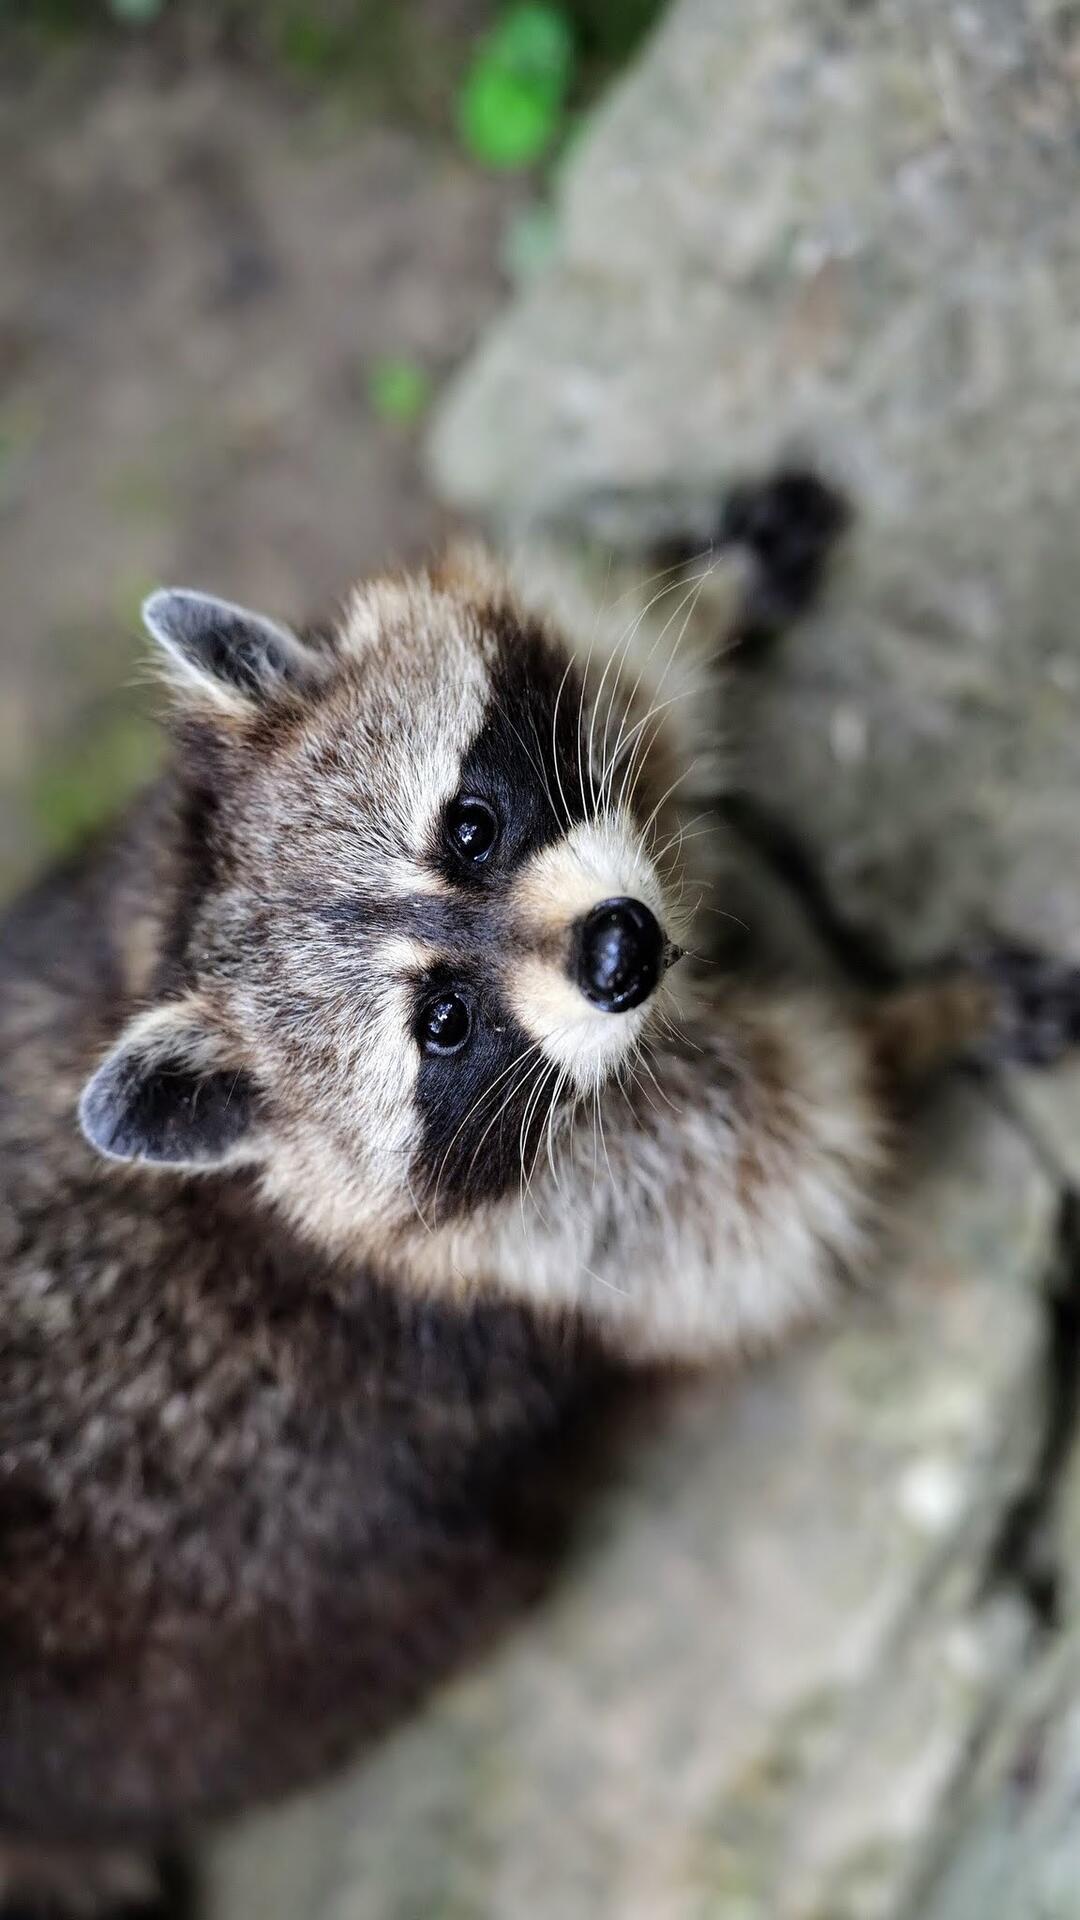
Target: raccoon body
[(360, 1116)]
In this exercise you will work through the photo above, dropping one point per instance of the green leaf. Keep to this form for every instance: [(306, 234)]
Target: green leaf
[(514, 95), (136, 13), (399, 390), (310, 45)]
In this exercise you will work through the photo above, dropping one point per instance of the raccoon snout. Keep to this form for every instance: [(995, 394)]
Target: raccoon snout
[(619, 954)]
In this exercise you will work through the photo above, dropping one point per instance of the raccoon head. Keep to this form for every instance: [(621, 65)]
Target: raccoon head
[(420, 908)]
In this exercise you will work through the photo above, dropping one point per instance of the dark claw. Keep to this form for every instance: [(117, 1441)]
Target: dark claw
[(790, 524), (1038, 1020)]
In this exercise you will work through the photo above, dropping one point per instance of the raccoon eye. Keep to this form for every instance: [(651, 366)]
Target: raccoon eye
[(445, 1023), (473, 829)]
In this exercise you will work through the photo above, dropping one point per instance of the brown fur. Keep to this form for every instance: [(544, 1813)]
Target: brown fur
[(917, 1028), (248, 1499), (272, 1431)]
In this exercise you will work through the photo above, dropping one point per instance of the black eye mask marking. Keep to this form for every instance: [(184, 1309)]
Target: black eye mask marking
[(524, 759), (483, 1109)]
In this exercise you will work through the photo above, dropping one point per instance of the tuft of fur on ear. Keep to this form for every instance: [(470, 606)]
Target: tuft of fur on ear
[(238, 659), (467, 567), (166, 1096)]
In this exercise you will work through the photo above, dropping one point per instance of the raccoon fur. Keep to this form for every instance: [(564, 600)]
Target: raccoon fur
[(361, 1114)]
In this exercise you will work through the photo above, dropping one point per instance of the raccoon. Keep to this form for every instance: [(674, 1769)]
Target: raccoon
[(364, 1114)]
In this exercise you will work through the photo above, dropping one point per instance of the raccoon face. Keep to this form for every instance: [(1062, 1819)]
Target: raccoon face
[(424, 913)]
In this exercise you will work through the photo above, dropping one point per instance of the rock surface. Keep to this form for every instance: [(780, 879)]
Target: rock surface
[(845, 234), (818, 1657), (775, 1656)]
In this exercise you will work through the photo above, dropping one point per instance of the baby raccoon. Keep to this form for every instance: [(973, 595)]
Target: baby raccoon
[(360, 1107)]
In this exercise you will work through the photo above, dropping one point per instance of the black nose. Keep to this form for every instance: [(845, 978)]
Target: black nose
[(620, 955)]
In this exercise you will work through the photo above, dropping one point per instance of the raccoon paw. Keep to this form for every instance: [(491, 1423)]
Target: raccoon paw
[(1035, 1017), (789, 524)]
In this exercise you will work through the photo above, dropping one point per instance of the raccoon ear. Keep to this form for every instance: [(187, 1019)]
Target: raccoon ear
[(167, 1096), (239, 659)]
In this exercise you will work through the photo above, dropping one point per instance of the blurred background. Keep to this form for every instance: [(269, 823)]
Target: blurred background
[(242, 244)]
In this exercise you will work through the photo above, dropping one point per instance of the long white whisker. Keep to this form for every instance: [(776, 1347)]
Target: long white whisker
[(561, 1082), (638, 1088), (675, 1032), (617, 658), (663, 573), (664, 798), (527, 1177), (629, 778), (603, 1135), (609, 1284), (688, 600), (645, 1066), (685, 831), (535, 764), (426, 1224), (585, 665), (497, 1119), (520, 1060), (554, 744), (632, 733)]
